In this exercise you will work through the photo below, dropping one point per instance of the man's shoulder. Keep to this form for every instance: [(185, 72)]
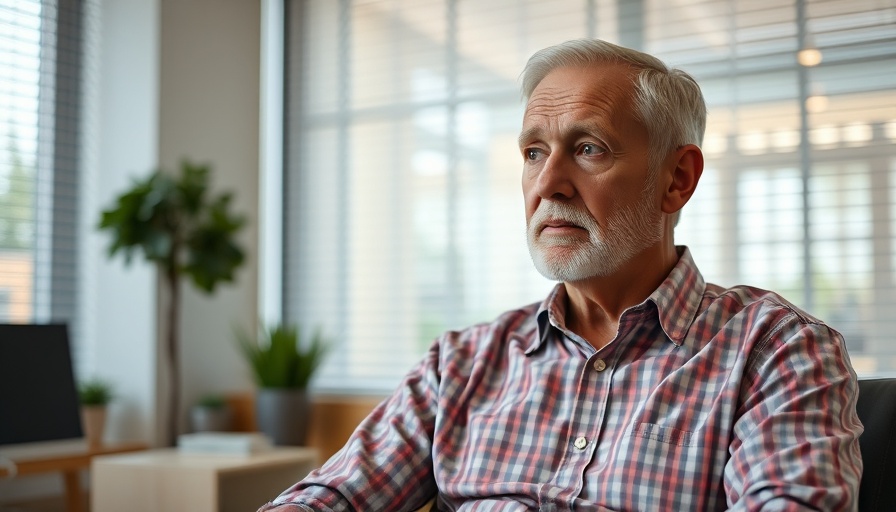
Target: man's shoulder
[(745, 299), (760, 322)]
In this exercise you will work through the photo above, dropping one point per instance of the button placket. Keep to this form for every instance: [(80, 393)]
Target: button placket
[(583, 432)]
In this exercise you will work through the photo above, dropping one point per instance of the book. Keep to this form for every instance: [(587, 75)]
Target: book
[(225, 443)]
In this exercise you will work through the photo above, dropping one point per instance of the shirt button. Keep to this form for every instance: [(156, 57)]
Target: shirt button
[(580, 443), (600, 365)]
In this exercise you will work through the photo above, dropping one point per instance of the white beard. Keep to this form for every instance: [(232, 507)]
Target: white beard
[(569, 259)]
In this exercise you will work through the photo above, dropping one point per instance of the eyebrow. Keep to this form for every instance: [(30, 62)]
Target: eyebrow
[(527, 134), (577, 128)]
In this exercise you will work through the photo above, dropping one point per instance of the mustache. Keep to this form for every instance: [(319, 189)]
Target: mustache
[(552, 211)]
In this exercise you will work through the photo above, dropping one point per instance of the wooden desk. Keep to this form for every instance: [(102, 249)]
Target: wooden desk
[(172, 481), (70, 465)]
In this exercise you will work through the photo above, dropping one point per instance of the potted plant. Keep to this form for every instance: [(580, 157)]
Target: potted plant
[(175, 222), (211, 414), (94, 395), (283, 365)]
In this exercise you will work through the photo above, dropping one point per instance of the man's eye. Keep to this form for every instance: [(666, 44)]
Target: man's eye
[(591, 149), (531, 154)]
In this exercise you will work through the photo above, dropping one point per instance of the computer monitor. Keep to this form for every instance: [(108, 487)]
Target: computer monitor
[(38, 397)]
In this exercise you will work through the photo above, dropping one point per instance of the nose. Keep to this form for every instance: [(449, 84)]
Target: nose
[(553, 180)]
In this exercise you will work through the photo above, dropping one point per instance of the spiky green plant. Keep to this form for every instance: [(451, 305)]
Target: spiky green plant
[(95, 392), (279, 358), (212, 401)]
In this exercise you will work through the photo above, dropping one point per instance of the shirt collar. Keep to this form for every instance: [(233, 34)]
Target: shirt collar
[(552, 311), (678, 298), (677, 302)]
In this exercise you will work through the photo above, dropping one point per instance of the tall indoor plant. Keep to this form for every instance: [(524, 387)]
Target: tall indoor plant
[(283, 365), (175, 222)]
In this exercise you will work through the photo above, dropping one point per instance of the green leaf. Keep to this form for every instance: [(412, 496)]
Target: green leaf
[(95, 392), (175, 222), (192, 187), (278, 359)]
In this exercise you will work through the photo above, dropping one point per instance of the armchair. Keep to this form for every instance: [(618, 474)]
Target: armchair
[(877, 410)]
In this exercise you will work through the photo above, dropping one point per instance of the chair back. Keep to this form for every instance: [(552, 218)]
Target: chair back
[(877, 410)]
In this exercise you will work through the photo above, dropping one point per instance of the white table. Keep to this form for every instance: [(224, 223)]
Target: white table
[(172, 481)]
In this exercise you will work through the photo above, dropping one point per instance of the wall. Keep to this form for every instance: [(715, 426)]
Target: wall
[(209, 113), (119, 301)]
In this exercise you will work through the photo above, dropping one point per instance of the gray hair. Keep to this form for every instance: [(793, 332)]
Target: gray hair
[(668, 101)]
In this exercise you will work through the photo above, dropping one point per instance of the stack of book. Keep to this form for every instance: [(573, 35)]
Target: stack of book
[(225, 443)]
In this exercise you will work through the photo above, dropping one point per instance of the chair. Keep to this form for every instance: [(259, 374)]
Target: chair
[(877, 410)]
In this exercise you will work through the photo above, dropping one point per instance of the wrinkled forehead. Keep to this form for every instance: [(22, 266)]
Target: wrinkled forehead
[(605, 90)]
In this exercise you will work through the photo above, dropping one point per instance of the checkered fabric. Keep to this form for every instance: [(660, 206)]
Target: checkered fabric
[(706, 399)]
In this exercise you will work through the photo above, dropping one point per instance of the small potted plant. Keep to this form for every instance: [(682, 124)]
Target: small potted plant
[(211, 414), (283, 365), (94, 395)]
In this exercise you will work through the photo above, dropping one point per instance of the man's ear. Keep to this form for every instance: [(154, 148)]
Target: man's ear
[(681, 180)]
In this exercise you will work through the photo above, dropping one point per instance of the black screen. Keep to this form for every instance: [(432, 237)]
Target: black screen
[(38, 398)]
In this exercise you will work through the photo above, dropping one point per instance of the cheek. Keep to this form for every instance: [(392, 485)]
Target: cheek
[(530, 198), (602, 205)]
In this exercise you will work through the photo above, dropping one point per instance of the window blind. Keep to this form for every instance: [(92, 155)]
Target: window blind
[(40, 125), (403, 210), (799, 157)]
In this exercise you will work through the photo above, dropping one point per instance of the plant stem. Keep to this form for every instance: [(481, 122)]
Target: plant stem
[(172, 278)]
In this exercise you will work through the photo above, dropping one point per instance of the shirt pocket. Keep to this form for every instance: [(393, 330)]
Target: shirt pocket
[(653, 456)]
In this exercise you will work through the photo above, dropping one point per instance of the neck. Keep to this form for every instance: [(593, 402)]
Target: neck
[(596, 304)]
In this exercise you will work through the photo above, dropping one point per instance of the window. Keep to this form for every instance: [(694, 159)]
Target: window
[(404, 215), (40, 123)]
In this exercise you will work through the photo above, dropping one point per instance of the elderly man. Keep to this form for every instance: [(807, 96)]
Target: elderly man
[(635, 385)]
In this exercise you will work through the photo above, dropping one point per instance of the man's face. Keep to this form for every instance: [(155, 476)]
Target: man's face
[(591, 201)]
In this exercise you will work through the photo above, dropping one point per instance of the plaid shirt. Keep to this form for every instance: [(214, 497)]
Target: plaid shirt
[(707, 399)]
